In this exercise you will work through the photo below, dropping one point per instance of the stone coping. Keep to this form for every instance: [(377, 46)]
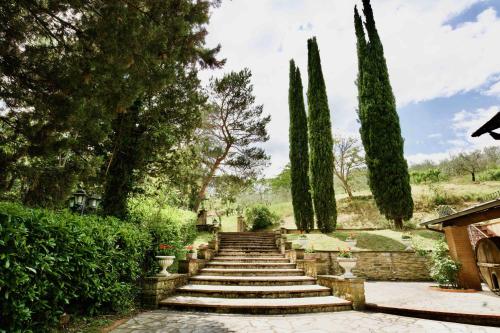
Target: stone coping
[(172, 276), (341, 278)]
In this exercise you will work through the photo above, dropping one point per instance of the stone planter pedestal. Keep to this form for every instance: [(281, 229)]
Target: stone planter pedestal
[(156, 288), (308, 265), (191, 266), (351, 289)]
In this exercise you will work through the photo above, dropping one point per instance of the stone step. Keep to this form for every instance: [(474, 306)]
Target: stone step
[(254, 291), (252, 280), (254, 265), (257, 305), (246, 249), (250, 259), (252, 271), (249, 254), (246, 245)]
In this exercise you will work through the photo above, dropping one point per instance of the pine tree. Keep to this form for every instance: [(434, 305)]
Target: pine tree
[(380, 130), (321, 143), (299, 153)]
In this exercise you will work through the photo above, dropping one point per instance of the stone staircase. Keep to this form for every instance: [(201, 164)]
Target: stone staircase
[(250, 275)]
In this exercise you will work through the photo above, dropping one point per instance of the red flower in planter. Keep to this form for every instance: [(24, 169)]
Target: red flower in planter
[(166, 247)]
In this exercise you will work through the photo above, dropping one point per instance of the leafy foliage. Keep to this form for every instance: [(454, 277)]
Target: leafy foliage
[(60, 262), (299, 153), (108, 86), (232, 125), (166, 225), (260, 217), (321, 143), (380, 130), (427, 176), (444, 269)]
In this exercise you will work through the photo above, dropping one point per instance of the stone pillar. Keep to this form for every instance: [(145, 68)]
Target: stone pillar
[(351, 289), (308, 265), (156, 288), (202, 217), (461, 250), (242, 227), (191, 266), (282, 244), (206, 253)]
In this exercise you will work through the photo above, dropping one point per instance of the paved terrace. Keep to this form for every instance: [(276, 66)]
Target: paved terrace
[(418, 295), (347, 321)]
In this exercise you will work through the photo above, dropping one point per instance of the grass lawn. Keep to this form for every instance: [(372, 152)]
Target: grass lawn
[(377, 240)]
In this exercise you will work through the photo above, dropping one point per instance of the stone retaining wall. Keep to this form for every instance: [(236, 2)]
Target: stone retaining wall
[(377, 265)]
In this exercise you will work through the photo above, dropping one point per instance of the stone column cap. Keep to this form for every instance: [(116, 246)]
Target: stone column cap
[(341, 278), (172, 276)]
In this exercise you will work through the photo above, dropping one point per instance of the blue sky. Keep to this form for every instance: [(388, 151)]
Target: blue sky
[(443, 58)]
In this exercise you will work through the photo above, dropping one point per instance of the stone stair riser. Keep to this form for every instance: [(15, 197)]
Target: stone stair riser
[(271, 295), (251, 266), (251, 283), (251, 273), (259, 311), (249, 254), (255, 260)]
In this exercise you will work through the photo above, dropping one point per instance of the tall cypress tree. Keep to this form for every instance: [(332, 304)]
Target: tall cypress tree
[(380, 130), (321, 143), (299, 153)]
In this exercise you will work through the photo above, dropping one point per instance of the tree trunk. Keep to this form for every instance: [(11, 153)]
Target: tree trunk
[(473, 176), (127, 156), (398, 223), (208, 179)]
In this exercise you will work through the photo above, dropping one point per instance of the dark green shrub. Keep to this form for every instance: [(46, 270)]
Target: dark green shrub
[(53, 263), (260, 217)]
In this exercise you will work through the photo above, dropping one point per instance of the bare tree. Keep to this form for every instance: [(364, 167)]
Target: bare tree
[(472, 163), (348, 157)]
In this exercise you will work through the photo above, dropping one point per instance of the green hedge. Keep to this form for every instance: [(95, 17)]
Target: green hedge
[(56, 262)]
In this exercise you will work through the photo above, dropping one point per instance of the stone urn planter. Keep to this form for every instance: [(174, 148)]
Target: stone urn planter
[(347, 264), (407, 243), (165, 262), (351, 242)]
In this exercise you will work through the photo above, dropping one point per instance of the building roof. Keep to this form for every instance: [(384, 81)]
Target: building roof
[(489, 127), (483, 212)]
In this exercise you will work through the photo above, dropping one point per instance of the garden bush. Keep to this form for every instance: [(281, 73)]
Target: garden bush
[(58, 262), (260, 217), (166, 225), (444, 269)]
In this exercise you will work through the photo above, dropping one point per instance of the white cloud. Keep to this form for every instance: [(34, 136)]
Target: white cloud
[(426, 59), (494, 90), (434, 135), (464, 123)]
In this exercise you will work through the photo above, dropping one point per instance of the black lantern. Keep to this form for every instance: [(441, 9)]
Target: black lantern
[(78, 201), (93, 202)]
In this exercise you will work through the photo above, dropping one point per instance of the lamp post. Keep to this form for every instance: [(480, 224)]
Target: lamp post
[(80, 202)]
